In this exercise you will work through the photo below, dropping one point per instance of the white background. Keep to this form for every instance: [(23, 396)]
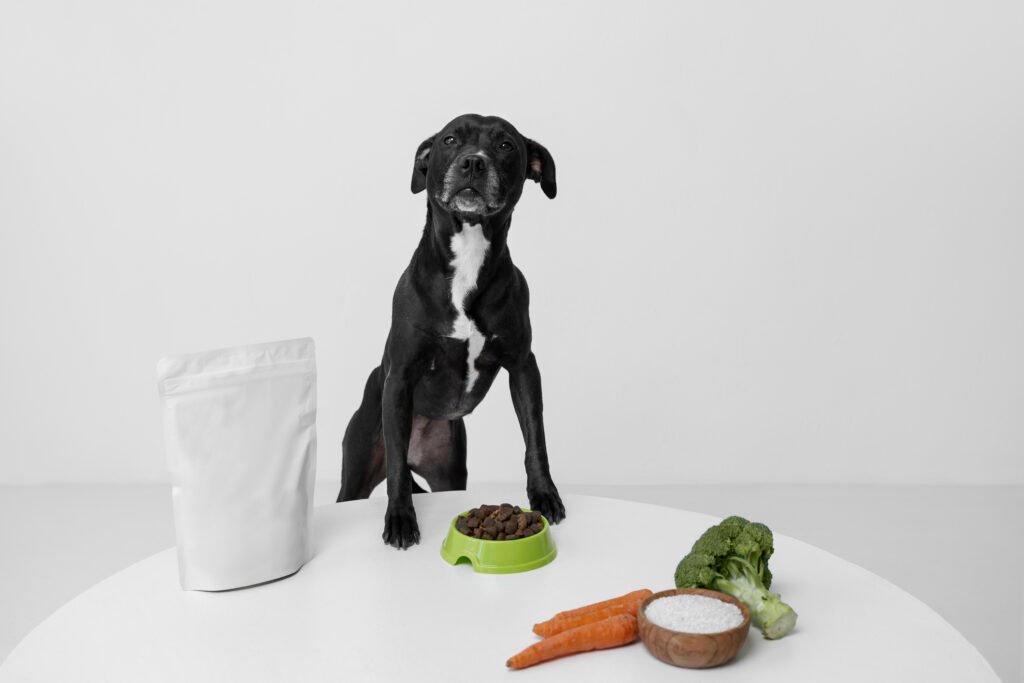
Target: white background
[(786, 247)]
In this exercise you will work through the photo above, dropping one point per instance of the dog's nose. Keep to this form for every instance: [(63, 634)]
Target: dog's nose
[(473, 164)]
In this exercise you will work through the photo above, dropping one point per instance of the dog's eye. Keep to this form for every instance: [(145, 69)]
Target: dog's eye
[(450, 140), (507, 146)]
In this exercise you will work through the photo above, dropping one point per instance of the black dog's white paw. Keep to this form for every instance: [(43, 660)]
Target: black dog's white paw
[(400, 527), (546, 501)]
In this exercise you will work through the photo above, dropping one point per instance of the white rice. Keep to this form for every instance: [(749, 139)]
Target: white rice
[(694, 614)]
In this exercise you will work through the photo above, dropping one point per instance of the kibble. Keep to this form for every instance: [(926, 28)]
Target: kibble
[(503, 522)]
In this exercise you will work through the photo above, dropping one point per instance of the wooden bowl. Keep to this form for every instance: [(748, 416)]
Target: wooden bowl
[(692, 650)]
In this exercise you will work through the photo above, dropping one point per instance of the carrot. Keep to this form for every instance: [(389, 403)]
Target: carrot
[(560, 624), (611, 632), (624, 604)]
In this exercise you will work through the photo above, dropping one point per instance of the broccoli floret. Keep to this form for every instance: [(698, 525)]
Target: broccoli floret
[(732, 557)]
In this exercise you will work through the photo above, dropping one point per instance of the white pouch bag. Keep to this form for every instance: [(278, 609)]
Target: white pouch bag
[(240, 438)]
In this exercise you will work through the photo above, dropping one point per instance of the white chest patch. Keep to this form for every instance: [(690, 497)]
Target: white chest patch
[(470, 248)]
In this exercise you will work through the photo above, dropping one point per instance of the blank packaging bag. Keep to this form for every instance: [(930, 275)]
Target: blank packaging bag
[(240, 437)]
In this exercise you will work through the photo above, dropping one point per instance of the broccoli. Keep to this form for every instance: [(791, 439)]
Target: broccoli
[(732, 557)]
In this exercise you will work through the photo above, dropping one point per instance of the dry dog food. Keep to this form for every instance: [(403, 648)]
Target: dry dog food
[(500, 522)]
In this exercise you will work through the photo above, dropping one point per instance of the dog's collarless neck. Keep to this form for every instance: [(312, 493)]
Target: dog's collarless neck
[(442, 227)]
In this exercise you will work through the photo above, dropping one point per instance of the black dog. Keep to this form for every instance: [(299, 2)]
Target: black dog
[(459, 314)]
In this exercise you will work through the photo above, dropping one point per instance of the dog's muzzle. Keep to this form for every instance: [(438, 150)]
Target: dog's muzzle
[(471, 185)]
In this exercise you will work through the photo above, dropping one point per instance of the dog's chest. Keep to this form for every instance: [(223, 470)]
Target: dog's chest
[(469, 248)]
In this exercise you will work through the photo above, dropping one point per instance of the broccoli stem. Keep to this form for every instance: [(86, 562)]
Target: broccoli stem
[(767, 611)]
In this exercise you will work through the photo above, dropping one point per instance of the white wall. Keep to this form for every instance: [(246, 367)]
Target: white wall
[(786, 246)]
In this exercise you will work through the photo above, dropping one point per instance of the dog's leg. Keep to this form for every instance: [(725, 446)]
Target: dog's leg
[(362, 451), (524, 383), (458, 474), (400, 527)]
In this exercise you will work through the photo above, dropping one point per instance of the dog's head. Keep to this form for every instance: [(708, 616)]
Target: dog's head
[(476, 166)]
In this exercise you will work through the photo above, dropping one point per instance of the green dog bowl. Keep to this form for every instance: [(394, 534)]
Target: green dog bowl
[(499, 557)]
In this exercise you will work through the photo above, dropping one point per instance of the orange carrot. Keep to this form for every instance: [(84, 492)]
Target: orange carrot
[(611, 632), (624, 604), (559, 624)]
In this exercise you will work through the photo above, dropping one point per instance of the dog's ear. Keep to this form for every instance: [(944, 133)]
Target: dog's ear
[(419, 166), (540, 167)]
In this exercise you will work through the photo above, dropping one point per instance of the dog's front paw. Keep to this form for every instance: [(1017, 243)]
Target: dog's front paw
[(400, 527), (545, 500)]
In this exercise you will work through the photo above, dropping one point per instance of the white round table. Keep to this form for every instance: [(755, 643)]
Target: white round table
[(362, 611)]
